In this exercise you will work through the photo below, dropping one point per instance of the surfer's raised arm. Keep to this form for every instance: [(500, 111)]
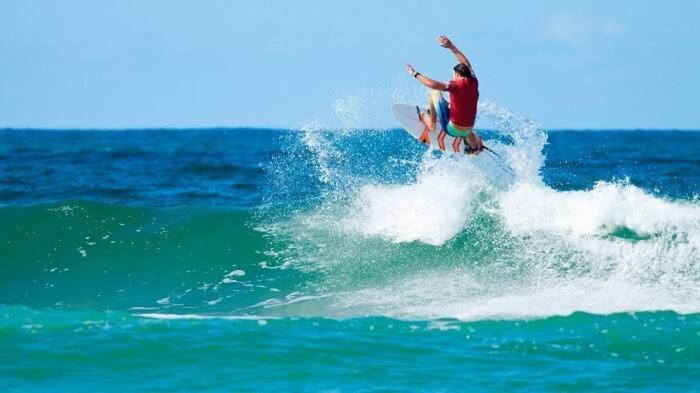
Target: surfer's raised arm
[(446, 43), (433, 84)]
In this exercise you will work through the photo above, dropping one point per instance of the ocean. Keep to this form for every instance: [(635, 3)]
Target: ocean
[(332, 259)]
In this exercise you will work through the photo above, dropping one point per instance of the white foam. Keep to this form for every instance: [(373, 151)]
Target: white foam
[(608, 206), (235, 273), (572, 259), (432, 210), (624, 283)]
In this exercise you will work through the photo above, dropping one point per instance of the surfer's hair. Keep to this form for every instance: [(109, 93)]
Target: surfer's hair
[(463, 70)]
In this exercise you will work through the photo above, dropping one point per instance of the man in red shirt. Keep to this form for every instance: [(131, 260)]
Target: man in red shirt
[(464, 95)]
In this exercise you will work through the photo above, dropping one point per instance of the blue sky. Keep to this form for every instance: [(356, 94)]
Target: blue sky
[(158, 63)]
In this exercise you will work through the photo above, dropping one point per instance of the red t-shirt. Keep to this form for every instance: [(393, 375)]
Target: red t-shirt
[(464, 94)]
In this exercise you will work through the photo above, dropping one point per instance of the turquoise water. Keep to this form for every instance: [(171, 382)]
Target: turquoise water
[(112, 351), (348, 260)]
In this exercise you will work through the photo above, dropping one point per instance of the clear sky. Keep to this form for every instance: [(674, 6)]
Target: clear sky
[(166, 63)]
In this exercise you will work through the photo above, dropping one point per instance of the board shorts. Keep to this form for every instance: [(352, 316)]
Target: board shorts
[(455, 132), (442, 111)]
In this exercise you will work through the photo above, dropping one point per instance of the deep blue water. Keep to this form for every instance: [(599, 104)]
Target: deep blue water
[(225, 167)]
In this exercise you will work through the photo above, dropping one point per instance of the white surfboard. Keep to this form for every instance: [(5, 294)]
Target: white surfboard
[(408, 116)]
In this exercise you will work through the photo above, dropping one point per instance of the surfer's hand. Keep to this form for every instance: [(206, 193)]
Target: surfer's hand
[(445, 42), (410, 70)]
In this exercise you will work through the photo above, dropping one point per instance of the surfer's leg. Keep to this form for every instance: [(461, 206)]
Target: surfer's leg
[(425, 136), (456, 143), (441, 140), (433, 114)]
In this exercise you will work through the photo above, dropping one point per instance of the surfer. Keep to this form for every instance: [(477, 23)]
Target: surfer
[(461, 112)]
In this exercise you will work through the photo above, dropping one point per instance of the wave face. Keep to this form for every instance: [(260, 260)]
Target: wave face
[(99, 256)]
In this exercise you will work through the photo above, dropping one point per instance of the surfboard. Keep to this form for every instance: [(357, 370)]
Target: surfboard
[(409, 117)]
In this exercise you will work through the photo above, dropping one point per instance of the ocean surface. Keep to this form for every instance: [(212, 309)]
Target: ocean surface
[(349, 260)]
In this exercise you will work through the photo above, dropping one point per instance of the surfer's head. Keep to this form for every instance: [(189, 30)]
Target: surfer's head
[(462, 70)]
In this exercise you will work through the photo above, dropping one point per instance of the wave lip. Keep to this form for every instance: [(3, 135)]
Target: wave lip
[(608, 206)]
